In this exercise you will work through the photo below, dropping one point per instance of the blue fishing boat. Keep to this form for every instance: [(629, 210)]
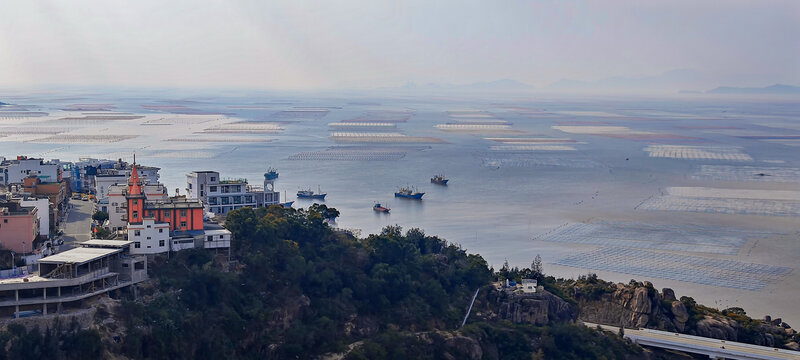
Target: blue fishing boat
[(310, 194), (439, 179), (407, 193), (271, 174)]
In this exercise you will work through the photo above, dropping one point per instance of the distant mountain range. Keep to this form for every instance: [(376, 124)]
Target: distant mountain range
[(496, 85), (673, 80), (773, 89)]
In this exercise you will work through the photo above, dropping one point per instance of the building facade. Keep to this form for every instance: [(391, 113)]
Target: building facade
[(66, 279), (42, 212), (149, 237), (16, 170), (222, 195), (117, 202), (19, 226)]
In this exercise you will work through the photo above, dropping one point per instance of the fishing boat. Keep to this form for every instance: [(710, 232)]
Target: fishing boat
[(271, 174), (310, 194), (379, 208), (439, 179), (407, 193), (286, 204)]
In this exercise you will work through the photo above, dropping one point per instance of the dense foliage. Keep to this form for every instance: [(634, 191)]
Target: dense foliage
[(74, 343), (295, 288), (300, 290)]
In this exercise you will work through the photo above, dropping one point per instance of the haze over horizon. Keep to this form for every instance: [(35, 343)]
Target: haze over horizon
[(309, 46)]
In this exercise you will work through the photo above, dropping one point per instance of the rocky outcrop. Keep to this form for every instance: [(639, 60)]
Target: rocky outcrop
[(717, 328), (681, 315), (623, 305), (638, 305), (539, 308)]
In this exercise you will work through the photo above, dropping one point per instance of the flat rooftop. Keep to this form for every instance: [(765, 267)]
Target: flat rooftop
[(79, 255), (106, 243)]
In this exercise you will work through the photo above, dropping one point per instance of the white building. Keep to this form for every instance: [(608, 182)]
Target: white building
[(528, 285), (42, 212), (223, 195), (104, 178), (14, 171), (217, 239), (102, 182), (149, 237)]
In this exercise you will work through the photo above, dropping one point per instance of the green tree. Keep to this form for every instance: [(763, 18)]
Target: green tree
[(536, 267), (100, 216)]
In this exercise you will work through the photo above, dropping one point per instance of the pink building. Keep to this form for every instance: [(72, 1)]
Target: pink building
[(19, 227)]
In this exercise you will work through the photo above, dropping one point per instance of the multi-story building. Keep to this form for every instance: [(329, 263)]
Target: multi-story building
[(66, 279), (149, 237), (19, 226), (223, 195), (153, 224), (16, 170), (43, 212), (119, 174), (56, 192), (117, 202)]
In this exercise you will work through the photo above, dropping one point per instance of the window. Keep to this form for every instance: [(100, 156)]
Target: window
[(212, 201), (136, 233), (148, 238), (148, 226), (202, 187), (210, 238), (161, 230), (161, 243), (212, 188), (213, 179), (225, 200), (135, 202), (139, 265), (166, 214), (5, 221), (137, 245), (135, 214), (190, 185), (183, 212), (183, 224)]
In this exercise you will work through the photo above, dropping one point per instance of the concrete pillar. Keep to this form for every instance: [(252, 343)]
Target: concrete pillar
[(44, 309), (44, 292)]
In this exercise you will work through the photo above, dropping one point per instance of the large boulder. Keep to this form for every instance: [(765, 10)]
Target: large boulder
[(718, 328), (462, 347), (668, 294), (680, 315)]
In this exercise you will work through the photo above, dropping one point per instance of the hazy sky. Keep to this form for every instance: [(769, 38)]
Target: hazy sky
[(368, 43)]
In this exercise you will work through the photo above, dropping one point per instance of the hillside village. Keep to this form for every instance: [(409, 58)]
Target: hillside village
[(76, 230)]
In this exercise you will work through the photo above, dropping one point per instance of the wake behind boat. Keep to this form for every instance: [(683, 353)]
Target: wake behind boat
[(407, 193)]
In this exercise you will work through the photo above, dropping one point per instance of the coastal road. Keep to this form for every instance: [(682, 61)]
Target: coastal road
[(714, 348), (78, 226)]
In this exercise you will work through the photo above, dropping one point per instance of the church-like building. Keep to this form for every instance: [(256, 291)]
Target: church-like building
[(158, 223)]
